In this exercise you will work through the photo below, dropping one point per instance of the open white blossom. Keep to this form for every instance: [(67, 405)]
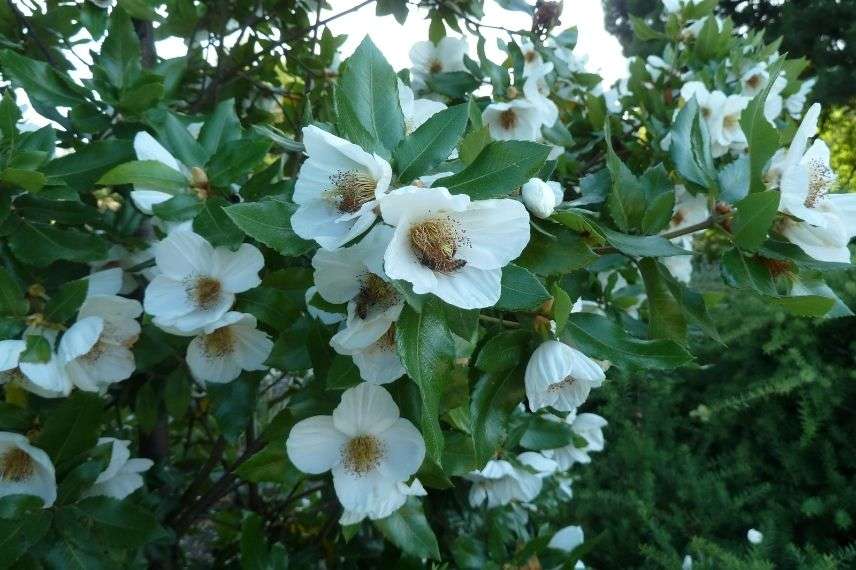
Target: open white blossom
[(197, 283), (147, 148), (385, 506), (567, 539), (587, 426), (541, 197), (537, 91), (721, 112), (450, 246), (96, 350), (416, 111), (46, 379), (365, 443), (25, 470), (227, 347), (500, 482), (689, 210), (337, 189), (444, 56), (123, 474), (795, 102), (560, 376), (378, 362), (519, 119)]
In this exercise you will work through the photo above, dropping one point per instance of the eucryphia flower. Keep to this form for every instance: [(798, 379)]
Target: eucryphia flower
[(326, 317), (416, 111), (337, 189), (227, 347), (25, 470), (560, 376), (367, 446), (519, 119), (532, 59), (721, 112), (587, 426), (46, 379), (805, 178), (541, 198), (444, 56), (122, 475), (537, 91), (378, 362), (96, 350), (689, 210), (394, 500), (795, 102), (500, 482), (566, 539), (450, 246), (197, 282)]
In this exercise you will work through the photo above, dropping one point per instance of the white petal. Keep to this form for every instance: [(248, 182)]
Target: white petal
[(404, 450), (496, 231), (147, 148), (183, 254), (238, 270), (10, 352), (252, 348), (80, 338), (365, 409), (314, 445), (207, 367), (144, 200), (415, 202), (166, 297), (567, 538), (361, 492), (468, 287)]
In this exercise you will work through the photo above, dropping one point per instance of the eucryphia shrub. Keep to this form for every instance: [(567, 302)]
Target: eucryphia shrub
[(228, 273)]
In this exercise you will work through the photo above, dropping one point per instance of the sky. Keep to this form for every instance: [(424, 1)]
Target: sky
[(603, 50)]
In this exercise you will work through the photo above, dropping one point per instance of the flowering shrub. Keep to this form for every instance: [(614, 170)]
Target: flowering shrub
[(228, 273)]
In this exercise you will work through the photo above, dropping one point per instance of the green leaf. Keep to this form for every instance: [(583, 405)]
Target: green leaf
[(41, 244), (64, 304), (147, 173), (744, 272), (494, 397), (179, 208), (139, 9), (19, 535), (690, 147), (343, 373), (10, 114), (500, 168), (236, 159), (37, 349), (119, 56), (221, 127), (762, 137), (665, 317), (734, 180), (67, 212), (270, 465), (28, 180), (626, 199), (46, 87), (269, 222), (367, 100), (503, 351), (82, 168), (71, 427), (806, 305), (17, 506), (473, 143), (454, 84), (408, 529), (642, 246), (173, 132), (599, 337), (754, 217), (12, 300), (542, 433), (233, 405), (462, 322), (271, 306), (691, 303), (427, 350), (562, 252), (431, 143), (125, 523), (215, 225), (177, 394), (521, 290)]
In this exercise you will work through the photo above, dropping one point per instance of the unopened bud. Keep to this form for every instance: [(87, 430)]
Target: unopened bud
[(541, 198)]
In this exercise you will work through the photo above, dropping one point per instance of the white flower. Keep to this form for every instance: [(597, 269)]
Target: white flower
[(587, 426), (378, 362), (122, 475), (147, 148), (416, 111), (386, 505), (337, 189), (689, 210), (500, 482), (518, 120), (532, 59), (827, 243), (227, 347), (96, 350), (197, 282), (447, 55), (774, 102), (368, 447), (541, 198), (537, 92), (560, 376), (795, 102), (25, 470), (325, 317), (655, 66), (722, 115), (687, 563), (567, 539), (755, 79), (46, 379), (449, 246), (754, 536), (355, 275)]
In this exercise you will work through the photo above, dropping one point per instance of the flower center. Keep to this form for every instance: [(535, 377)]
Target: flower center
[(731, 121), (206, 291), (362, 454), (820, 178), (16, 465), (436, 66), (374, 292), (678, 217), (435, 243), (567, 382), (96, 351), (351, 189), (387, 341), (705, 112), (754, 82), (530, 56), (219, 343), (508, 119)]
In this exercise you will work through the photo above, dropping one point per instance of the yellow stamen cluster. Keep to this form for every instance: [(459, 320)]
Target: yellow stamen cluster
[(435, 242), (820, 178), (374, 293), (362, 454), (567, 382), (16, 465), (219, 343), (508, 119), (436, 66), (351, 190), (205, 291)]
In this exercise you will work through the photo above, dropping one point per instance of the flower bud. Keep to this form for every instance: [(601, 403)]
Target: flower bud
[(541, 198)]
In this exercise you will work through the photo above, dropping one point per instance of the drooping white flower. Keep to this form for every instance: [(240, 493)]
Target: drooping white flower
[(754, 79), (567, 539), (326, 317), (754, 536), (541, 198), (537, 91), (532, 59), (795, 102), (25, 470), (365, 443), (378, 362), (337, 189), (386, 505), (197, 282), (450, 246), (500, 482), (96, 350), (147, 148), (416, 111), (560, 376), (587, 426), (689, 210), (46, 379), (444, 56), (519, 119), (123, 474), (227, 347)]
